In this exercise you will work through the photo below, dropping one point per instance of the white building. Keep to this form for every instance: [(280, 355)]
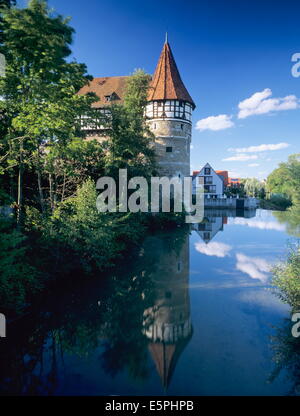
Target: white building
[(210, 180)]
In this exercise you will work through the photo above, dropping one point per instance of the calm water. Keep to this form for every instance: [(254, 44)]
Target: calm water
[(190, 313)]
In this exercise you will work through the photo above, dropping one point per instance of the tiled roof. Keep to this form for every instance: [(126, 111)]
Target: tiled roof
[(166, 83), (106, 87)]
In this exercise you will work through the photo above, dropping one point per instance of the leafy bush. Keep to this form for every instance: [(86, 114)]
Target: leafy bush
[(94, 239), (280, 201), (286, 278)]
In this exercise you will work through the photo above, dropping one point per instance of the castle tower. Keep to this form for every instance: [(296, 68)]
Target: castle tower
[(169, 114)]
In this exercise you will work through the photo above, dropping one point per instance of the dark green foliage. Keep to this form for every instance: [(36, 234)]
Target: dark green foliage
[(19, 279), (276, 202), (4, 4), (94, 240)]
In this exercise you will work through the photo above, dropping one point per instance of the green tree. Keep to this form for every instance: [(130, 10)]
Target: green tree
[(279, 181), (130, 140), (4, 4), (253, 187), (40, 106), (285, 179)]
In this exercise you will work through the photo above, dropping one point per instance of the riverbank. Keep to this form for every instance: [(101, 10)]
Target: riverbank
[(72, 244), (271, 205)]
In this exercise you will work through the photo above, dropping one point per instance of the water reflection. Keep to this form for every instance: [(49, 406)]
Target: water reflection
[(146, 309), (215, 220), (145, 328), (167, 323), (286, 356), (255, 267)]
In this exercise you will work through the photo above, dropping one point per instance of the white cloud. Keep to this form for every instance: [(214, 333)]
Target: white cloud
[(215, 123), (260, 103), (253, 165), (255, 267), (254, 223), (260, 148), (213, 249), (240, 158)]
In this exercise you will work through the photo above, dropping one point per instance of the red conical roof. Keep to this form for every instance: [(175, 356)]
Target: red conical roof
[(166, 356), (166, 83)]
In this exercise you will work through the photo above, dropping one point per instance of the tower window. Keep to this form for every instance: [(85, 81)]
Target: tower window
[(169, 149), (154, 125), (181, 126)]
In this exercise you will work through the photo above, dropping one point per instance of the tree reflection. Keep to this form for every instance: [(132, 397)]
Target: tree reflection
[(286, 356), (291, 218), (105, 319)]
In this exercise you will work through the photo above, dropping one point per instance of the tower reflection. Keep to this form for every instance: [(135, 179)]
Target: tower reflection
[(167, 323)]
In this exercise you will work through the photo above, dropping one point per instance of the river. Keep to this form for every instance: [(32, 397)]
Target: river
[(191, 312)]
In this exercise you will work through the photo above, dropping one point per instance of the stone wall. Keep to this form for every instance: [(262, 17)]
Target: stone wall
[(175, 134)]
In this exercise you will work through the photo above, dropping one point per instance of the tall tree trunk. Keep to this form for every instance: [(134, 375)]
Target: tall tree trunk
[(20, 187), (41, 194), (39, 180), (64, 188), (51, 190)]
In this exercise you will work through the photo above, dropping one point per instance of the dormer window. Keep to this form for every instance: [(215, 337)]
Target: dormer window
[(111, 97)]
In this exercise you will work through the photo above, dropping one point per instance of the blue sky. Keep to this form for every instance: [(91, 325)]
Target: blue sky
[(226, 52)]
